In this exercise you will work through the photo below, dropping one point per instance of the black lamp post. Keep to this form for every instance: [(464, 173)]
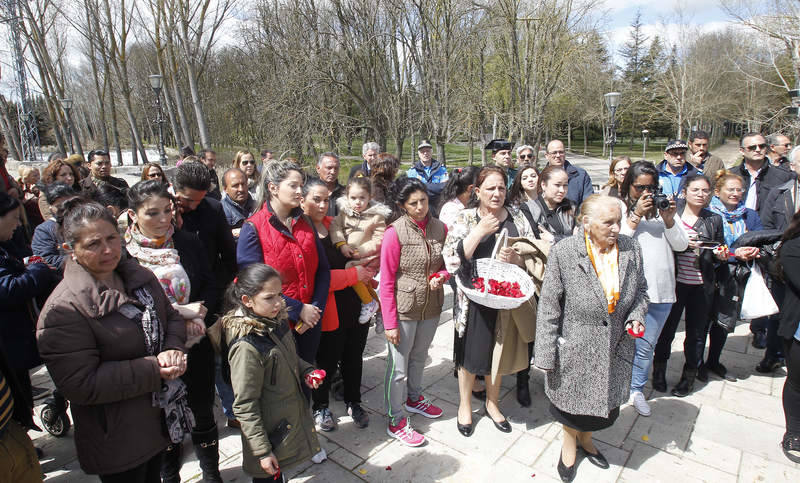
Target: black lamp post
[(612, 101), (155, 82), (66, 103)]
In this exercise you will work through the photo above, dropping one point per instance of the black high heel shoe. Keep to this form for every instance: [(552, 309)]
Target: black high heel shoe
[(567, 474), (503, 425), (596, 459)]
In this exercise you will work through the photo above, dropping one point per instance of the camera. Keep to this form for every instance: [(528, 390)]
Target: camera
[(660, 200)]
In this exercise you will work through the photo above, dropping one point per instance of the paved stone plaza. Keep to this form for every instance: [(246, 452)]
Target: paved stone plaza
[(722, 432)]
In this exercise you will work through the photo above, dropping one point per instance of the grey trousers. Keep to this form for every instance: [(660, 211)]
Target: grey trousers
[(405, 364)]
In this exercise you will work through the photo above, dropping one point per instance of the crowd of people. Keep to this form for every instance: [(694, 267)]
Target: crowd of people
[(147, 303)]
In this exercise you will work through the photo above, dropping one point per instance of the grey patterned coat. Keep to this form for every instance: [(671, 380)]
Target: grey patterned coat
[(586, 351)]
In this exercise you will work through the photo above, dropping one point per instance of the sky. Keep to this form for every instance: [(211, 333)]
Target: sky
[(706, 15)]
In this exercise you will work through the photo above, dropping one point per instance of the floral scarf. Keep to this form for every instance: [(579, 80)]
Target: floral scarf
[(160, 257), (734, 220), (606, 265)]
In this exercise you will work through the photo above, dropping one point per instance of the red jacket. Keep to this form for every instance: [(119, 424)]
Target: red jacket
[(340, 279), (293, 255)]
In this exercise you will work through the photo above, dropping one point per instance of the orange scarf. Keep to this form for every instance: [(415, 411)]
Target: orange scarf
[(606, 266)]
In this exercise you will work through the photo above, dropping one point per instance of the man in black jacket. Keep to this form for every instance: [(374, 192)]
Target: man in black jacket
[(205, 217), (759, 177), (783, 201)]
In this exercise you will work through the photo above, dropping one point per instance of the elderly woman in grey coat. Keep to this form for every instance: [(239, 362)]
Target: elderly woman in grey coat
[(594, 291)]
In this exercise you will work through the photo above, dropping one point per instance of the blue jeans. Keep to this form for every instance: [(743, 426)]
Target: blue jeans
[(225, 392), (654, 321)]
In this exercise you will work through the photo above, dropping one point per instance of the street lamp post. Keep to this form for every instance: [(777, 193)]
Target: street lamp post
[(612, 101), (645, 132), (794, 109), (155, 82), (66, 103)]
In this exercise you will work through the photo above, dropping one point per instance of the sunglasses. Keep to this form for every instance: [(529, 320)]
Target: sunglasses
[(245, 163), (761, 146), (525, 156), (643, 187)]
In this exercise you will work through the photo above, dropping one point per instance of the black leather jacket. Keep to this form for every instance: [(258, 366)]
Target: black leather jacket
[(709, 228)]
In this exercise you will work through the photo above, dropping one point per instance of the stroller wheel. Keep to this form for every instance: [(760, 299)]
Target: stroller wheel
[(54, 422)]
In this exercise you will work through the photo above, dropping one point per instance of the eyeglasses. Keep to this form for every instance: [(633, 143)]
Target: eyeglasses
[(557, 153), (761, 146), (526, 156), (643, 187)]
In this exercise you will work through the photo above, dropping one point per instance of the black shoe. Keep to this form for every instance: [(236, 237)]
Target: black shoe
[(791, 447), (39, 453), (503, 425), (596, 459), (523, 391), (566, 474), (171, 464), (702, 373), (722, 372), (686, 384), (360, 417), (480, 395), (660, 376), (466, 430), (760, 339), (767, 366)]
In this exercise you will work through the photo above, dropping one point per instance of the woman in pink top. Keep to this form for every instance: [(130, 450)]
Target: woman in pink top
[(411, 295)]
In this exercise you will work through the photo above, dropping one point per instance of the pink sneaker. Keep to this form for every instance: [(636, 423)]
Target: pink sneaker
[(405, 433), (424, 407)]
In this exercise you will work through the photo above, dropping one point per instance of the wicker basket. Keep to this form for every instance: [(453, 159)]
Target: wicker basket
[(491, 268)]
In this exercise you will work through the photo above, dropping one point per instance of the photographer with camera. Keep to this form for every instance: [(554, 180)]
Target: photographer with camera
[(674, 170), (649, 216)]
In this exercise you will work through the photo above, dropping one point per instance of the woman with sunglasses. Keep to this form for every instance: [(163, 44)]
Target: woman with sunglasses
[(729, 203), (659, 231), (247, 163), (616, 175), (695, 282)]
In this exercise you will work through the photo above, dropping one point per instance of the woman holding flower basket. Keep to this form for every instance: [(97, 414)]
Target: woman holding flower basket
[(473, 236)]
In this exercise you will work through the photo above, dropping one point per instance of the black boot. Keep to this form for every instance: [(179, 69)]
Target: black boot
[(207, 450), (171, 464), (523, 392), (686, 384), (660, 376)]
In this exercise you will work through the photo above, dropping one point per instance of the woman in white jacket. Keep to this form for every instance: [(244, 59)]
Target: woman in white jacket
[(659, 232)]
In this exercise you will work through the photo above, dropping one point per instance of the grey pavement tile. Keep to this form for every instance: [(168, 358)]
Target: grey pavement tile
[(742, 432), (649, 464), (432, 462), (668, 427), (327, 472), (345, 458), (585, 470), (713, 454), (486, 445), (752, 405), (527, 449), (756, 468), (619, 431), (509, 470), (362, 442)]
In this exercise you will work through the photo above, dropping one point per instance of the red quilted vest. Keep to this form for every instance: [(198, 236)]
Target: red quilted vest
[(293, 255)]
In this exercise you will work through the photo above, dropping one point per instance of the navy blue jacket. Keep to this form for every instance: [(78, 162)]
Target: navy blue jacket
[(580, 184), (47, 244), (19, 287), (236, 213)]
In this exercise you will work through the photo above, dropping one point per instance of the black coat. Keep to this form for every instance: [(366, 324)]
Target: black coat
[(709, 228), (23, 403), (790, 309), (779, 208), (348, 305), (768, 178), (208, 222), (204, 285)]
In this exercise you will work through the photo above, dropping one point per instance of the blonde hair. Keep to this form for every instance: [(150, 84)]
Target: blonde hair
[(612, 180), (237, 163), (723, 176)]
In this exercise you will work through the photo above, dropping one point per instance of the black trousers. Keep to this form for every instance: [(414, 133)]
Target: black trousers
[(147, 472), (717, 337), (345, 346), (199, 380), (692, 299), (791, 388), (307, 344)]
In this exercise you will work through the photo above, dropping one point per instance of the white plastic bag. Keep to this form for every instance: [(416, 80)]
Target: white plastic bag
[(757, 301)]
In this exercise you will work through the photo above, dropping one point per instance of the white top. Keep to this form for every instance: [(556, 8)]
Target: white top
[(449, 211), (752, 190), (658, 244)]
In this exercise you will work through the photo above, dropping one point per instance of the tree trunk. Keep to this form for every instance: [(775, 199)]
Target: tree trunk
[(114, 122), (197, 103), (9, 132)]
